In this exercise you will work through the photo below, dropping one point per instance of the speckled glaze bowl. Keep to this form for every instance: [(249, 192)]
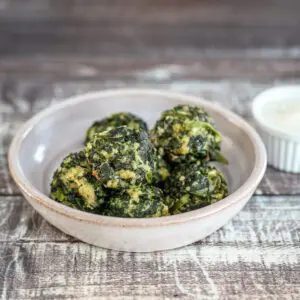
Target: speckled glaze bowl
[(41, 143)]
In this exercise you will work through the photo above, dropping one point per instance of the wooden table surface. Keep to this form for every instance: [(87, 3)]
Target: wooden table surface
[(224, 51)]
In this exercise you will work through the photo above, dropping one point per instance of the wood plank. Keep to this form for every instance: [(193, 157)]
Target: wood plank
[(276, 13), (24, 38), (22, 98), (205, 65), (144, 28), (255, 256)]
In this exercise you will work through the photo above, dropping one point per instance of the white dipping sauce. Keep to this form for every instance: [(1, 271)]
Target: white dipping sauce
[(284, 115)]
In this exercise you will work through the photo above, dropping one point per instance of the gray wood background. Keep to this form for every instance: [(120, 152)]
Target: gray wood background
[(226, 51)]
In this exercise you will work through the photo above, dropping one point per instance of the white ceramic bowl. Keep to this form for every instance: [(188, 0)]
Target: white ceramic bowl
[(282, 144), (39, 146)]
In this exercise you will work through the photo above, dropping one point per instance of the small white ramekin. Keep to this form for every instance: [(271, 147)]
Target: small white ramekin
[(283, 148)]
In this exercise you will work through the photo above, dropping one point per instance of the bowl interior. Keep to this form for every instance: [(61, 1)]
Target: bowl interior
[(62, 130)]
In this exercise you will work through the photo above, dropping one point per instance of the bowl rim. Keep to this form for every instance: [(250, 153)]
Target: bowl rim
[(28, 190), (266, 96)]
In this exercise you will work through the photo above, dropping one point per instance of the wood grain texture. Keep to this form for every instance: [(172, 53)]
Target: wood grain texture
[(169, 11), (255, 256), (22, 98), (144, 28), (206, 65)]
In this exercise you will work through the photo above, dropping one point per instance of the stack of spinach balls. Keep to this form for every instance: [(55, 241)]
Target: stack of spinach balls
[(125, 170)]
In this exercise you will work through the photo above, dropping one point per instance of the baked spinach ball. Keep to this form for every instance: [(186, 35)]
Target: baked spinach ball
[(121, 157), (124, 171), (142, 201), (185, 133), (194, 185), (115, 120), (74, 185)]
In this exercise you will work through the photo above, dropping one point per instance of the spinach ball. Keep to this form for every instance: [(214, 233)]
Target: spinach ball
[(142, 201), (194, 185), (74, 185), (121, 157), (185, 133), (115, 120)]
